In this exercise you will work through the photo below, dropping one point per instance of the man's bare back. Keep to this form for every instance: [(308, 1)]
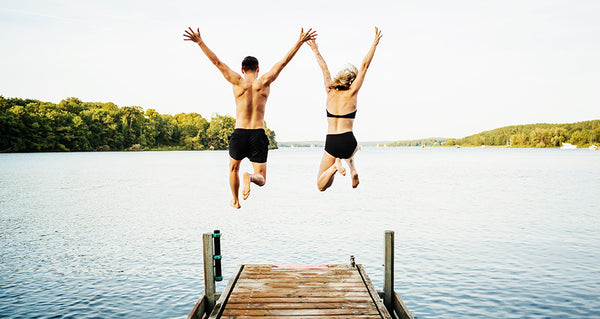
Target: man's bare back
[(250, 100), (251, 94)]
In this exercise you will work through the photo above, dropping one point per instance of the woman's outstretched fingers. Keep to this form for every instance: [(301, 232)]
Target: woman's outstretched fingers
[(378, 35)]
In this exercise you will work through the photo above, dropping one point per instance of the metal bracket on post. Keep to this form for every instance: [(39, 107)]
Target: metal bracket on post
[(388, 276), (217, 255)]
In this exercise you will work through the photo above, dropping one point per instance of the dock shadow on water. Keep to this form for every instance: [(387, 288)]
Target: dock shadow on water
[(480, 233)]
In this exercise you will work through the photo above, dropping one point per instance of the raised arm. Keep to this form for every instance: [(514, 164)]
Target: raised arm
[(326, 75), (360, 77), (270, 76), (230, 75)]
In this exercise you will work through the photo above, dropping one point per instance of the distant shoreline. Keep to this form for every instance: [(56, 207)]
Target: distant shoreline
[(72, 125), (369, 145), (542, 135)]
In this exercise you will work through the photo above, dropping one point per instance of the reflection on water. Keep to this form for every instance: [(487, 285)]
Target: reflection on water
[(479, 232)]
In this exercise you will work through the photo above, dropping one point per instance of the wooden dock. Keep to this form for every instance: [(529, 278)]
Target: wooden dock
[(300, 291), (328, 291)]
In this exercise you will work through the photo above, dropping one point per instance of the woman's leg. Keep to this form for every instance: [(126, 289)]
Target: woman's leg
[(353, 172), (329, 165)]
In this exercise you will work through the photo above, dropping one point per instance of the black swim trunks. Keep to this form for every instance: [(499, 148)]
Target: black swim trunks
[(341, 145), (250, 143)]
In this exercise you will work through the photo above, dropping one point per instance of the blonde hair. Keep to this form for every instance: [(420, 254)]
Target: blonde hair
[(344, 78)]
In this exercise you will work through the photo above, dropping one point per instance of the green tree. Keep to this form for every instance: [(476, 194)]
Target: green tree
[(450, 142), (192, 128), (271, 135), (220, 129)]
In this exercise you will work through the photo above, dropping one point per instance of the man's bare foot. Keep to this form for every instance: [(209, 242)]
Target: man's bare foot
[(235, 204), (246, 189), (355, 180), (339, 167)]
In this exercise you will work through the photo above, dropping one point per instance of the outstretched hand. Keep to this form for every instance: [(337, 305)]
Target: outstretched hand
[(313, 44), (378, 36), (191, 35), (308, 35)]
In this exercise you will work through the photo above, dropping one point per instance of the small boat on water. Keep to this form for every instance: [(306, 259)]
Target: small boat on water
[(568, 146), (594, 147)]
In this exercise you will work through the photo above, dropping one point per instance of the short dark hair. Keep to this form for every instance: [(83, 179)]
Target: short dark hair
[(250, 63)]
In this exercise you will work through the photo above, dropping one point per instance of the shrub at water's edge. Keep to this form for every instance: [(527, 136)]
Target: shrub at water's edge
[(28, 125)]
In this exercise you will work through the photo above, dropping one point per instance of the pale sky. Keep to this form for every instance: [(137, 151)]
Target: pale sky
[(442, 69)]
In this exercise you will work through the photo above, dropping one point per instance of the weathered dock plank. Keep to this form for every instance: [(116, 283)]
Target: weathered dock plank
[(332, 291)]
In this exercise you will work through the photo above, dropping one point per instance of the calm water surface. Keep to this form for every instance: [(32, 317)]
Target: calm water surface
[(480, 233)]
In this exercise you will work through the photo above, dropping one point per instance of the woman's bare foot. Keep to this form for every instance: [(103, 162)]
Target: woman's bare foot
[(235, 204), (246, 189), (339, 167), (355, 180)]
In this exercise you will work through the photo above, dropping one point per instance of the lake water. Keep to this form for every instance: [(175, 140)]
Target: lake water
[(480, 233)]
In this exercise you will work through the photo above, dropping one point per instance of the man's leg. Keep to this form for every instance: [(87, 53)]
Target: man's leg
[(234, 181), (259, 177)]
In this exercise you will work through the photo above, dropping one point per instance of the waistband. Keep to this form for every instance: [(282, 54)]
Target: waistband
[(341, 134), (249, 130)]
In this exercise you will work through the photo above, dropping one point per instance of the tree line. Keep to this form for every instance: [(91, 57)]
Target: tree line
[(28, 125), (582, 134), (420, 142)]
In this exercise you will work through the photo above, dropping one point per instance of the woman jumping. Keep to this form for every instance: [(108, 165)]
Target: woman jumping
[(341, 110)]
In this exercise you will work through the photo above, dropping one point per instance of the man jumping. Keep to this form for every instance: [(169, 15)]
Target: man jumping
[(250, 93)]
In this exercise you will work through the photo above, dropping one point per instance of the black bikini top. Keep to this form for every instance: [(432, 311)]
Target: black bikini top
[(345, 116)]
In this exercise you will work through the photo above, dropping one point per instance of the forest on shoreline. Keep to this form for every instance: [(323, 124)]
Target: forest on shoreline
[(28, 125), (542, 135), (582, 134)]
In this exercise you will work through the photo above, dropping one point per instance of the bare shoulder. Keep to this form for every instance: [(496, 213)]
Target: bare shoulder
[(353, 89), (242, 83), (263, 81)]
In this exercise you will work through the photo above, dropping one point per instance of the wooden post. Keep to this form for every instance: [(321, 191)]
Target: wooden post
[(388, 276), (209, 274)]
